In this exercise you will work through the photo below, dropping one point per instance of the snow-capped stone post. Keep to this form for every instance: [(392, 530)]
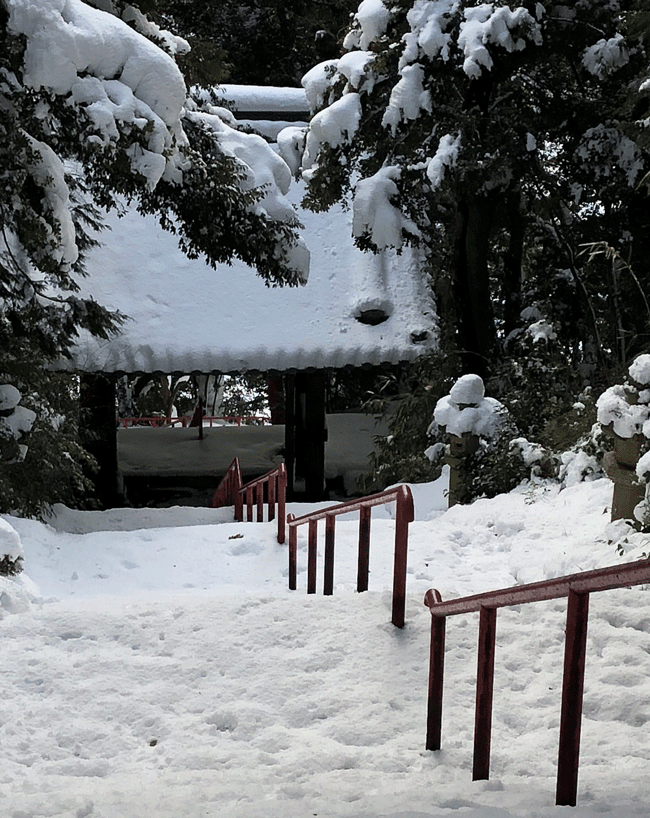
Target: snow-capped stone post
[(11, 554), (624, 413), (15, 421), (459, 414)]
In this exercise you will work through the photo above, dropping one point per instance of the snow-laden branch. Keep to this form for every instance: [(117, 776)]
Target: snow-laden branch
[(111, 99)]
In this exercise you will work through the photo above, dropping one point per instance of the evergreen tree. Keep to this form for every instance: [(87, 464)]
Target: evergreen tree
[(253, 42), (94, 113), (511, 141), (504, 138)]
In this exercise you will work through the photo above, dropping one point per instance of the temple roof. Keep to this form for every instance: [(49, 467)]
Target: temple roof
[(184, 316)]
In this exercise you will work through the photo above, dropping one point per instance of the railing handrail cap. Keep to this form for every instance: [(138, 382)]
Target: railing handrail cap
[(386, 496)]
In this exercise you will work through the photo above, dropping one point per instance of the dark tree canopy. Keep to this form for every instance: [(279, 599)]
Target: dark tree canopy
[(254, 42), (508, 139)]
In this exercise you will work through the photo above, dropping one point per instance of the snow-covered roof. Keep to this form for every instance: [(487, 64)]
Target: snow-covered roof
[(184, 316), (287, 103)]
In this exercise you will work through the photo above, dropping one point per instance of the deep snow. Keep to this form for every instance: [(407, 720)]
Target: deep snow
[(155, 664)]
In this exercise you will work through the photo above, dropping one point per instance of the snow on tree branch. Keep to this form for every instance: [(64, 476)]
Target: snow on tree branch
[(88, 94)]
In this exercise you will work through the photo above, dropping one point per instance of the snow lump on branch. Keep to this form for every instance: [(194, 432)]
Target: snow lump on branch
[(117, 103), (606, 56)]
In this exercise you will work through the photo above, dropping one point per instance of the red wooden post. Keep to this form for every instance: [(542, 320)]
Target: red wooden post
[(572, 690), (293, 552), (271, 497), (436, 677), (249, 505), (328, 574), (282, 501), (364, 548), (311, 556), (259, 495), (404, 514), (484, 690)]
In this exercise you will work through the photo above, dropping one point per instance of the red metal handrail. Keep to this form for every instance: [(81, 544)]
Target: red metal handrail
[(160, 420), (577, 588), (231, 492), (404, 515), (276, 492), (228, 491)]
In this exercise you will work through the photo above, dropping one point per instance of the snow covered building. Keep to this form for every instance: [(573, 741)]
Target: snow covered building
[(356, 309)]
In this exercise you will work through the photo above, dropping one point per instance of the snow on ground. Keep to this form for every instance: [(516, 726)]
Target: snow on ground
[(155, 664)]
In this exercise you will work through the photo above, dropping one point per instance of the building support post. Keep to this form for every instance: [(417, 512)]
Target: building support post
[(98, 433)]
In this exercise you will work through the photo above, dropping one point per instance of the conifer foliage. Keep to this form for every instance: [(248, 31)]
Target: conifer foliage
[(95, 112), (510, 140), (505, 137)]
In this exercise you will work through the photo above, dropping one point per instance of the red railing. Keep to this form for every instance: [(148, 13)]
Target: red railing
[(231, 492), (404, 514), (276, 492), (228, 491), (577, 588), (158, 421)]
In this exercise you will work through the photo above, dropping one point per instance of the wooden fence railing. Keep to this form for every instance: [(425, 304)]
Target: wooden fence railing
[(276, 493), (232, 492), (577, 588), (228, 491), (404, 514), (156, 421)]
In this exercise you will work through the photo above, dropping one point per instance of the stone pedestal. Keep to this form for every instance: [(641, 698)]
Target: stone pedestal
[(620, 467), (459, 448)]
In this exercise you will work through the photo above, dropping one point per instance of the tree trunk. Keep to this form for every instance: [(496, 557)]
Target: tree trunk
[(512, 264), (470, 292), (98, 434)]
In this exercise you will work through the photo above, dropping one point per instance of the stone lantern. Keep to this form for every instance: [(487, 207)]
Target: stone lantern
[(459, 448), (622, 412), (456, 414)]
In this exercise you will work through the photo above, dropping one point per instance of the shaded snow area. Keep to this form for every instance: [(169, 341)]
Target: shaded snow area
[(178, 451), (155, 664)]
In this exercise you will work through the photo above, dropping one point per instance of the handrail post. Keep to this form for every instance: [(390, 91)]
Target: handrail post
[(282, 501), (328, 573), (239, 506), (436, 678), (249, 505), (293, 552), (364, 549), (311, 556), (259, 497), (271, 497), (572, 690), (484, 691), (404, 514)]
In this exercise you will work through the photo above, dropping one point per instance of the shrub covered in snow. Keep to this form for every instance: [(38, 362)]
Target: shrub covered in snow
[(400, 456), (51, 467), (625, 408)]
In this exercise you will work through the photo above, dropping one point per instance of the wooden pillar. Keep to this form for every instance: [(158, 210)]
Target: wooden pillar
[(98, 433), (276, 400), (289, 433), (305, 434)]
